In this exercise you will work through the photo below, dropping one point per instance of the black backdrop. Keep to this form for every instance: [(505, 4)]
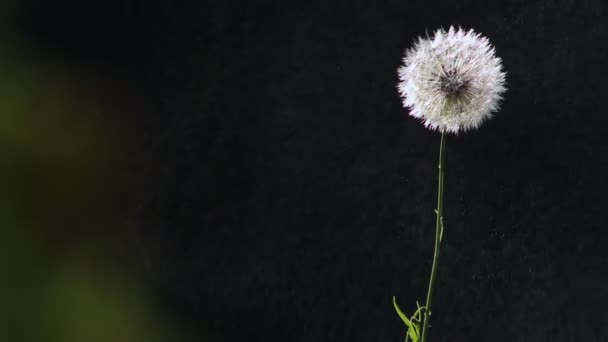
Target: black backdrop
[(284, 194)]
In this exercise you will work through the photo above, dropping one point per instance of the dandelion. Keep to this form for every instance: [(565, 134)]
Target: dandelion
[(453, 82)]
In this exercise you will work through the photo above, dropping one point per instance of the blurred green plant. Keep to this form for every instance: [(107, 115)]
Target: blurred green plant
[(63, 269)]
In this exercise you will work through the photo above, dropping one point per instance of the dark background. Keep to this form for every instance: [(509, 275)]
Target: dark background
[(280, 192)]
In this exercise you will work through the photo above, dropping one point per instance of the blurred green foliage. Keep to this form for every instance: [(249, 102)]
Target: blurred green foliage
[(64, 269)]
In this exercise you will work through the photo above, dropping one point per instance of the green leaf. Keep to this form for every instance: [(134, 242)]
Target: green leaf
[(401, 314), (415, 333), (412, 328), (441, 231)]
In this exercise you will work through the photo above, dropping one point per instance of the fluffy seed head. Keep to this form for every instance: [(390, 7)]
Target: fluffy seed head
[(452, 81)]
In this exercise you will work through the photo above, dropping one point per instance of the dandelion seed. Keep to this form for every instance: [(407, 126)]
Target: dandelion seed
[(452, 82)]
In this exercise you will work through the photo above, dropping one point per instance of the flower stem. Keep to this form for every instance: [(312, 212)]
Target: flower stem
[(438, 234)]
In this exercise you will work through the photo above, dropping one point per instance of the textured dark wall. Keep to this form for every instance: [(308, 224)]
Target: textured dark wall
[(286, 195)]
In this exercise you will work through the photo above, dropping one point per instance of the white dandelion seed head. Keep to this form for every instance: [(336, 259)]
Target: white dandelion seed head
[(452, 81)]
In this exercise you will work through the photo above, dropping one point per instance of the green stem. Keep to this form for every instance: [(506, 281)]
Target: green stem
[(438, 233)]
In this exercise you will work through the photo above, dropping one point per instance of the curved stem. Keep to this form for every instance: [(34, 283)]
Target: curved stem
[(438, 233)]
